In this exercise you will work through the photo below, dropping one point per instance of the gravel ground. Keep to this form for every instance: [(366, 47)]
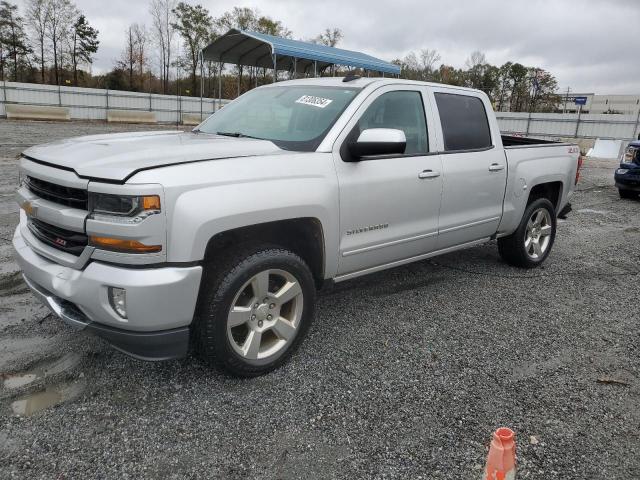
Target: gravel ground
[(405, 373)]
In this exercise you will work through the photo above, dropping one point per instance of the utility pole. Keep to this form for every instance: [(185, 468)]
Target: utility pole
[(566, 99)]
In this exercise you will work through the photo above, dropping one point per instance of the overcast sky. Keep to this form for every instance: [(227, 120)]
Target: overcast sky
[(589, 45)]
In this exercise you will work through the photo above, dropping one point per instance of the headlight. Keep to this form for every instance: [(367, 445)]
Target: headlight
[(121, 208), (629, 154), (622, 171)]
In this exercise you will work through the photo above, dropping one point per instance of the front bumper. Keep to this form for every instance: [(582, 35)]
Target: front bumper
[(160, 301), (629, 180)]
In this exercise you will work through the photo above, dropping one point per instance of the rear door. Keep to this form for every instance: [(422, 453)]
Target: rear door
[(389, 204), (473, 164)]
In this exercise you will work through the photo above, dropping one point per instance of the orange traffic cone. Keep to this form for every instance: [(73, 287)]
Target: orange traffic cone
[(501, 461)]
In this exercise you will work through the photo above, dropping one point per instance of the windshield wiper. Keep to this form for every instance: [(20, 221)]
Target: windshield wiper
[(237, 135)]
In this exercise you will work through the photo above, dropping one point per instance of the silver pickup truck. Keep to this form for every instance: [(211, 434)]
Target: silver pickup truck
[(217, 238)]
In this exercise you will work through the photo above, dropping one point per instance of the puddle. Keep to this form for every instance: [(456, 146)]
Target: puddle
[(63, 364), (49, 397)]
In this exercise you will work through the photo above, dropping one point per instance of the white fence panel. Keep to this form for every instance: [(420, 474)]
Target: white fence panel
[(93, 103), (616, 127)]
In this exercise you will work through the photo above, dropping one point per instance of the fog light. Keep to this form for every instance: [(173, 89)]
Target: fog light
[(118, 300)]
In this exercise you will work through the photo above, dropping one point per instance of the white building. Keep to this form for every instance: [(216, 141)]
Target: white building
[(621, 104)]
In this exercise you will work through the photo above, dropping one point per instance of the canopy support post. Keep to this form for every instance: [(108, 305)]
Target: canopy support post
[(201, 83), (219, 85), (315, 68), (239, 78), (275, 67), (295, 67)]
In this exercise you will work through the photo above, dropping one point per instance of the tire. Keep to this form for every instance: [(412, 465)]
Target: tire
[(519, 249), (263, 329), (629, 194)]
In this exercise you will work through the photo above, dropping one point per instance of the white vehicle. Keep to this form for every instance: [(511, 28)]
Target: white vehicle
[(219, 237)]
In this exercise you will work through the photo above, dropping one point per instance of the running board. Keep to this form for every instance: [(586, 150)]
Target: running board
[(349, 276)]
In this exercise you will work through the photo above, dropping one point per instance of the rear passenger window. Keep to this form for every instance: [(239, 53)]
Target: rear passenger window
[(402, 110), (464, 122)]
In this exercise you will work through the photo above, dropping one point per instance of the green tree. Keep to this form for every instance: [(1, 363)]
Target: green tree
[(272, 27), (518, 75), (193, 24), (84, 44), (542, 91), (330, 37), (250, 19), (14, 46)]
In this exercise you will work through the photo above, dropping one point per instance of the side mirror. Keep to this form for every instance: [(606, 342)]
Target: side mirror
[(378, 141)]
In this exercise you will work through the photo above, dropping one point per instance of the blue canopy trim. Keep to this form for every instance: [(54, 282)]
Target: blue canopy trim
[(258, 50)]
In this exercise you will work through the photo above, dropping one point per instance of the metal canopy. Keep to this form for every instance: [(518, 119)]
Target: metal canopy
[(261, 50)]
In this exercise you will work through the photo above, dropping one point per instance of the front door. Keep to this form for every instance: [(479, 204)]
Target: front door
[(389, 204), (474, 169)]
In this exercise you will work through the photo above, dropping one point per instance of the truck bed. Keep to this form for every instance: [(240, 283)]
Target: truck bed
[(510, 141)]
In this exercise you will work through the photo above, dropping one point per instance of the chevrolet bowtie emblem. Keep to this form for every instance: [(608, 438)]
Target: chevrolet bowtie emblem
[(28, 208)]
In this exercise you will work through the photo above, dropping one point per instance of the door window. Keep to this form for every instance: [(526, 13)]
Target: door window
[(464, 122), (402, 110)]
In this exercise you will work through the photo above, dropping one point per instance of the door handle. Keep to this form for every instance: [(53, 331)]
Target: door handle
[(428, 174), (495, 167)]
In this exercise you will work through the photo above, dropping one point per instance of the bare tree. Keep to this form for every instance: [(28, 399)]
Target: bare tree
[(60, 15), (140, 36), (37, 18), (428, 60), (128, 60), (163, 18), (420, 66), (133, 57), (476, 58)]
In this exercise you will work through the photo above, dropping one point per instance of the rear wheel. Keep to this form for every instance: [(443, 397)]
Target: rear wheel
[(627, 193), (531, 243), (255, 312)]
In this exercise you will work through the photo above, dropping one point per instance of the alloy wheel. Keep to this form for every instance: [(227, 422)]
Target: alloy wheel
[(265, 314), (537, 236)]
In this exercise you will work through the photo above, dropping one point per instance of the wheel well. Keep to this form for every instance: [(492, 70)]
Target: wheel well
[(551, 191), (303, 236)]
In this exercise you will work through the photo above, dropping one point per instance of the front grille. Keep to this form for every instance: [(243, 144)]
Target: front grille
[(65, 240), (70, 197)]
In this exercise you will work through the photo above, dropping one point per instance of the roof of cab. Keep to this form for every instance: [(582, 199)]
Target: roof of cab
[(362, 82)]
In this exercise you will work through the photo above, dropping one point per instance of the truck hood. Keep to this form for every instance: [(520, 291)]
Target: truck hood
[(118, 156)]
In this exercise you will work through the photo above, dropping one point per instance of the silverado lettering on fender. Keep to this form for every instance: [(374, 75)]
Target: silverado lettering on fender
[(218, 238)]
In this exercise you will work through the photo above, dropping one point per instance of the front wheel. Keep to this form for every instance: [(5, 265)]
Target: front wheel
[(531, 243), (630, 194), (254, 312)]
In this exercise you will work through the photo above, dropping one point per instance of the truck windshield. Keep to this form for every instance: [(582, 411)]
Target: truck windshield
[(293, 117)]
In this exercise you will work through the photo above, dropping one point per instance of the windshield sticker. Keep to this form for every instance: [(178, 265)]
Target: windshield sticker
[(314, 101)]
